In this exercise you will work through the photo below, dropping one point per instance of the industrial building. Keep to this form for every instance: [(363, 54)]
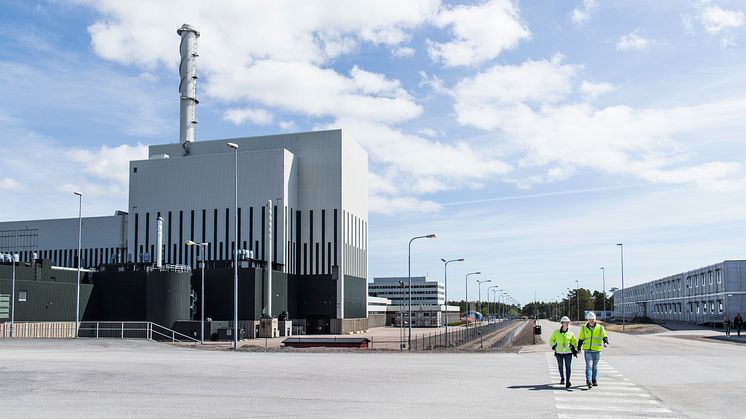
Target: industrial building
[(702, 295), (396, 289), (292, 209), (388, 302)]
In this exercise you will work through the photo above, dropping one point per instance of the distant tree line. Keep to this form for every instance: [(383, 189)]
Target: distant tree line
[(573, 305)]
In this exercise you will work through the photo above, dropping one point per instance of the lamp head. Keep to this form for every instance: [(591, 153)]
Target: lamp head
[(460, 260), (232, 145), (431, 236), (190, 243), (620, 244), (442, 260), (77, 193)]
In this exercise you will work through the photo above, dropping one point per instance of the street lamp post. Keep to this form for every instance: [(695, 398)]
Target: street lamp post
[(479, 285), (466, 281), (203, 250), (577, 298), (401, 316), (77, 283), (603, 288), (234, 146), (13, 297), (568, 302), (624, 307), (409, 277), (445, 287), (492, 312)]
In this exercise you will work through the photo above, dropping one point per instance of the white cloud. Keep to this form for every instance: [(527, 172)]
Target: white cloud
[(419, 165), (42, 180), (9, 184), (633, 41), (287, 125), (580, 15), (403, 52), (393, 206), (716, 20), (593, 90), (531, 106), (482, 100), (480, 33), (255, 116)]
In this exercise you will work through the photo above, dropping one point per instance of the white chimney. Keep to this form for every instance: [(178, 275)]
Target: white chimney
[(159, 243), (268, 287), (188, 85)]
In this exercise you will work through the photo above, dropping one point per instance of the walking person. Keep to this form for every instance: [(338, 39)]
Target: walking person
[(738, 323), (565, 347), (726, 325), (592, 339)]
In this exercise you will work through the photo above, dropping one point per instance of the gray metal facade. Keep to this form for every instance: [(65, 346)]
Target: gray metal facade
[(104, 240), (698, 296)]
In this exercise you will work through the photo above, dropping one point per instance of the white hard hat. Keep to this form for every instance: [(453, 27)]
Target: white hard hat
[(590, 315), (564, 319)]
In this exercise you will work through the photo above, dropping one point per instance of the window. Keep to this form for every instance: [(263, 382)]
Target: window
[(712, 307), (702, 278), (696, 305), (709, 275), (717, 276), (22, 295), (720, 306)]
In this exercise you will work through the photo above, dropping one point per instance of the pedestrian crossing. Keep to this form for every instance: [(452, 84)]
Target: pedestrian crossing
[(615, 397)]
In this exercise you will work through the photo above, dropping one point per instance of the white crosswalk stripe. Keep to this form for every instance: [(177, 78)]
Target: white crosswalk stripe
[(615, 397)]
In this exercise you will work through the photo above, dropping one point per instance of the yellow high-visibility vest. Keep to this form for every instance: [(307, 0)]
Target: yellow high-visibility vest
[(593, 340), (563, 340)]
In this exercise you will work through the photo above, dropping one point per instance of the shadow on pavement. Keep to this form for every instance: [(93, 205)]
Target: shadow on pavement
[(537, 387)]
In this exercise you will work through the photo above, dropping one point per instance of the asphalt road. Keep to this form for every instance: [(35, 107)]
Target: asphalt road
[(651, 376)]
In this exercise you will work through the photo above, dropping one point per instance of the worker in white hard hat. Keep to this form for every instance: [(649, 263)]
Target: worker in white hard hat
[(565, 347), (592, 339)]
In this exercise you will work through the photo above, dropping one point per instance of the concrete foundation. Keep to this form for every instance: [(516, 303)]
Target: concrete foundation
[(268, 328)]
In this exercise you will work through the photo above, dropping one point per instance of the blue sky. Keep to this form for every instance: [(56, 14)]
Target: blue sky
[(531, 136)]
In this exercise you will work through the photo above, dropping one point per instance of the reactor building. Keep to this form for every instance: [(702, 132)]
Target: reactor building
[(295, 204)]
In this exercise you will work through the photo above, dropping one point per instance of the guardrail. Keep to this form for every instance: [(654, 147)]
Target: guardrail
[(132, 330), (120, 330)]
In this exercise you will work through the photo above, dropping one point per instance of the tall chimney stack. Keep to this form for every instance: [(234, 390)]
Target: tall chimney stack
[(188, 85)]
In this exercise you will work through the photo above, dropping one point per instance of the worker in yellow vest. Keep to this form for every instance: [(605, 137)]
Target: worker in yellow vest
[(565, 347), (592, 338)]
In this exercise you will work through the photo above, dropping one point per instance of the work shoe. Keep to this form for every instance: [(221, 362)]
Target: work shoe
[(595, 383), (568, 385), (590, 385), (562, 381)]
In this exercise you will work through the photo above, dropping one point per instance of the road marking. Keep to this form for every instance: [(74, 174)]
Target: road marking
[(622, 397), (613, 408), (620, 401)]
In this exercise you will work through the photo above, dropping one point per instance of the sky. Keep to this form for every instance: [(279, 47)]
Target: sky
[(530, 136)]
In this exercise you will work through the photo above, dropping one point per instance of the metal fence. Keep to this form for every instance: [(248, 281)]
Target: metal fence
[(462, 336), (132, 330), (119, 330)]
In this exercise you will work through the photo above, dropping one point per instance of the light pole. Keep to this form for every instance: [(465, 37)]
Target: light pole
[(445, 286), (568, 302), (409, 277), (401, 316), (77, 283), (466, 281), (624, 308), (577, 298), (603, 288), (13, 298), (493, 311), (479, 285), (234, 146), (203, 250)]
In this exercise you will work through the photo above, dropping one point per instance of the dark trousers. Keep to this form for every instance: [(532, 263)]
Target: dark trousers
[(565, 359)]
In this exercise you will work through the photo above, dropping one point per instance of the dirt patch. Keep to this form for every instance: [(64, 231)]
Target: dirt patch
[(636, 328)]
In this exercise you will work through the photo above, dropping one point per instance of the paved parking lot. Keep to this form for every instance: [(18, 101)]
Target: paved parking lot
[(87, 378)]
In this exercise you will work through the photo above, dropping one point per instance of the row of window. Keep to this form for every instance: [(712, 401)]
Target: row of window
[(695, 307), (670, 287)]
